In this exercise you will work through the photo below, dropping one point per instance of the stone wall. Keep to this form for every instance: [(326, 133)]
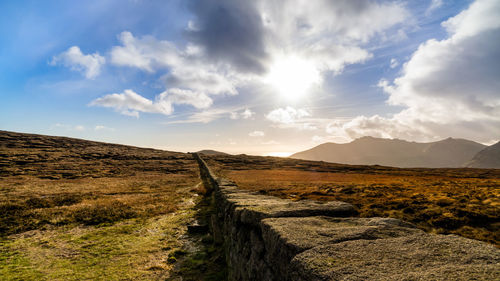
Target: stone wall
[(268, 238)]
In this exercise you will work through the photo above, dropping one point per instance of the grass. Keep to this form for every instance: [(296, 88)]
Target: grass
[(131, 249), (117, 233), (31, 203), (80, 210)]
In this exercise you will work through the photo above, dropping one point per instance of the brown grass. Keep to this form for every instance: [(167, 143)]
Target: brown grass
[(79, 210), (32, 203)]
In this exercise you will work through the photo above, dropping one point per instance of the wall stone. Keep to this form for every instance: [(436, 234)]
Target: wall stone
[(269, 238)]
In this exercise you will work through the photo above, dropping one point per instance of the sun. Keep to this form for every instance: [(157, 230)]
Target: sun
[(292, 77)]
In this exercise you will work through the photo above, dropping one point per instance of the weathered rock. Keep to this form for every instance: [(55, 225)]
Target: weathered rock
[(268, 238), (416, 257), (284, 238)]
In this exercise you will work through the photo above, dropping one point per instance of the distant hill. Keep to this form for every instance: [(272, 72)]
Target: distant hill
[(394, 152), (212, 152), (52, 157), (487, 158)]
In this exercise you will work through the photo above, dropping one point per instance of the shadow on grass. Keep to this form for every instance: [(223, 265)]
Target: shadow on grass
[(205, 259)]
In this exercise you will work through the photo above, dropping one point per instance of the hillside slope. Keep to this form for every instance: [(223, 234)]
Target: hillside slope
[(394, 152), (487, 158), (212, 152), (53, 157)]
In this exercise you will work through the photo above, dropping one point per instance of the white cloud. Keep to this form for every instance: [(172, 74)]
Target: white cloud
[(179, 96), (291, 118), (286, 115), (256, 134), (337, 139), (456, 79), (89, 65), (146, 54), (187, 69), (448, 87), (79, 128), (205, 116), (394, 63), (130, 103), (349, 20), (435, 4), (377, 126), (103, 128), (245, 114), (327, 35)]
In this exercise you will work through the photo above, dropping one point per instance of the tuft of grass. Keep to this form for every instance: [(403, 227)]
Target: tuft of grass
[(132, 249), (103, 213)]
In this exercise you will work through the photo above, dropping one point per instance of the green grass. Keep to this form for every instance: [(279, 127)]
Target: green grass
[(132, 249)]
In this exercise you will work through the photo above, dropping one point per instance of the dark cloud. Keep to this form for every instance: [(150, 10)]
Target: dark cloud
[(232, 31)]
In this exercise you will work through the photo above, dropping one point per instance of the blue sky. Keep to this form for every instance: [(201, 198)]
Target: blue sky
[(257, 77)]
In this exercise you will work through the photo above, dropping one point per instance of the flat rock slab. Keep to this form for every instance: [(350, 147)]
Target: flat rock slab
[(416, 257), (284, 238), (304, 233), (251, 207)]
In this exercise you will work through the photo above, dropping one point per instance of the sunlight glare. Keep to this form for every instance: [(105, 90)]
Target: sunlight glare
[(292, 77), (278, 154)]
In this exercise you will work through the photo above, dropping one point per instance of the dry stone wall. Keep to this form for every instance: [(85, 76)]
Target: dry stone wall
[(268, 238)]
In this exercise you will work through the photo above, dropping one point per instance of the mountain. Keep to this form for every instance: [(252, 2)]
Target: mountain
[(211, 152), (394, 152), (487, 158)]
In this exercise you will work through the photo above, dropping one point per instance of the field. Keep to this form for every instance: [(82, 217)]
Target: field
[(79, 210), (448, 201)]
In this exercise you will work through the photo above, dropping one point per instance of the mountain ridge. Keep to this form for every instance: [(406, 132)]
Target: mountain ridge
[(486, 158), (449, 152)]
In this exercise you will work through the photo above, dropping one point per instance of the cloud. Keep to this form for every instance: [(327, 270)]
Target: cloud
[(205, 116), (89, 65), (286, 115), (248, 34), (435, 4), (130, 103), (291, 118), (231, 31), (455, 80), (231, 44), (377, 126), (103, 128), (146, 53), (394, 63), (190, 80), (256, 134), (79, 128), (245, 114), (179, 96), (187, 69), (337, 139), (349, 20), (448, 87)]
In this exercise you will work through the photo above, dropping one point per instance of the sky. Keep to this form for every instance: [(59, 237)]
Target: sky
[(258, 77)]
